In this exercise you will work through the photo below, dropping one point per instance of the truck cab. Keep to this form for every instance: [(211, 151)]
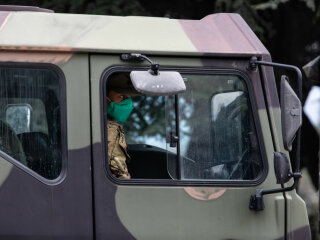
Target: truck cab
[(198, 158)]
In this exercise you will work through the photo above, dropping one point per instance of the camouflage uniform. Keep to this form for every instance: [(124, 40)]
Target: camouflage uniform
[(117, 150)]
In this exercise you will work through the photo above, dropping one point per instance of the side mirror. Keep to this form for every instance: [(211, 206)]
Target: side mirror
[(291, 113), (291, 120), (163, 84), (281, 168)]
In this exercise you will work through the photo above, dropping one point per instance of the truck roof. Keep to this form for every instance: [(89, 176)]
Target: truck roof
[(215, 35)]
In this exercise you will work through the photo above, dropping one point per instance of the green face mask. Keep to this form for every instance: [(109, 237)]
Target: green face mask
[(120, 111)]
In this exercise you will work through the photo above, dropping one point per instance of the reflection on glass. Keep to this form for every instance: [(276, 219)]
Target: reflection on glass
[(18, 116), (230, 134), (216, 130), (221, 101)]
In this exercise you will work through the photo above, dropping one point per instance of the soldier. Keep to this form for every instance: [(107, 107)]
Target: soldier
[(119, 107)]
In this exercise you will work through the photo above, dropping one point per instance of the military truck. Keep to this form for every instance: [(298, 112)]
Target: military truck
[(208, 138)]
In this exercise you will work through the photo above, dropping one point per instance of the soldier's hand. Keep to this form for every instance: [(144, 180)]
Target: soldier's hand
[(125, 176)]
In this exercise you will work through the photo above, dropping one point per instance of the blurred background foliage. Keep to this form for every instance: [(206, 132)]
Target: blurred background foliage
[(290, 30)]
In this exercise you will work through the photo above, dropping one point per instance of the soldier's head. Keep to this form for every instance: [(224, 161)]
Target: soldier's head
[(116, 97), (119, 87), (119, 92)]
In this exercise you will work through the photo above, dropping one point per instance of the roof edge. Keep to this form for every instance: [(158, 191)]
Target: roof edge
[(19, 8)]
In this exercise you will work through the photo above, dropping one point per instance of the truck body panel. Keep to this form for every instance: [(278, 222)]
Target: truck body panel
[(82, 200)]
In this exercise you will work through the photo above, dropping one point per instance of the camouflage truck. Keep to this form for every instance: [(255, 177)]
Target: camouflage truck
[(209, 158)]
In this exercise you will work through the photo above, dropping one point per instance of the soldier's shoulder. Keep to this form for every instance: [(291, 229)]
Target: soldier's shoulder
[(114, 128), (113, 124)]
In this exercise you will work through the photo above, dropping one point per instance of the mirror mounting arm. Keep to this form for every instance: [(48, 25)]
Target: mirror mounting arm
[(139, 57), (295, 174), (254, 62), (256, 200)]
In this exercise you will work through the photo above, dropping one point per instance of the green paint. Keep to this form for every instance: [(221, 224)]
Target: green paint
[(5, 169), (76, 72), (170, 213)]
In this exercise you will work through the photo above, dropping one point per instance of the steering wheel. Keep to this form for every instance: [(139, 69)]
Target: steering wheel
[(10, 143)]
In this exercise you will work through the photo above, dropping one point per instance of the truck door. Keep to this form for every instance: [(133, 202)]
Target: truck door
[(196, 157), (45, 178)]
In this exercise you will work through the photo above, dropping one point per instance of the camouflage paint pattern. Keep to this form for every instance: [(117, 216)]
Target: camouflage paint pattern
[(204, 193), (5, 170), (33, 210), (38, 57), (132, 202), (141, 212), (218, 34)]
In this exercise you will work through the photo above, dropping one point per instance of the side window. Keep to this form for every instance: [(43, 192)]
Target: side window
[(204, 134), (217, 133), (30, 124)]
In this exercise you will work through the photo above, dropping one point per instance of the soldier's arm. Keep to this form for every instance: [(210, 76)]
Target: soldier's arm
[(116, 156)]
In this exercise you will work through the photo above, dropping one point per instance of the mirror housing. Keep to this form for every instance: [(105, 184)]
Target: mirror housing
[(163, 84), (291, 113), (281, 167)]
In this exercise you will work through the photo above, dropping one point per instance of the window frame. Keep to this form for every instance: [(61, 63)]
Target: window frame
[(63, 122), (174, 182)]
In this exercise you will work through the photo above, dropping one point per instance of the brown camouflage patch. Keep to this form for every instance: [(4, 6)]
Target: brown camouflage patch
[(45, 57)]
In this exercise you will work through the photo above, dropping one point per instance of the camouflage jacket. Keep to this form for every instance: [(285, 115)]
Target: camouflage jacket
[(117, 150)]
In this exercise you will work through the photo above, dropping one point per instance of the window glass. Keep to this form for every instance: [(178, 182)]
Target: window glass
[(205, 133), (217, 135), (146, 124), (30, 124), (145, 132)]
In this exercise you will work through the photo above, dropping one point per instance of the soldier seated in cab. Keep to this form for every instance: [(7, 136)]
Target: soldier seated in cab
[(119, 107)]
